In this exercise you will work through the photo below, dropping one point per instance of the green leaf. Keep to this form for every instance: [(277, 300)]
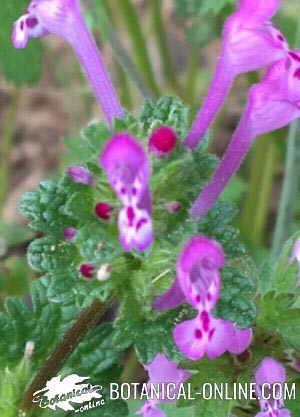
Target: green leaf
[(48, 254), (43, 208), (278, 315), (166, 111), (219, 371), (284, 271), (96, 354), (149, 335)]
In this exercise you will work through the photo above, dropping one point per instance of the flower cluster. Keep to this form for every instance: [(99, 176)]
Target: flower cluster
[(250, 42)]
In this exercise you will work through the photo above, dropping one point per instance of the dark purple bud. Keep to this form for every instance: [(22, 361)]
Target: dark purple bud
[(102, 210), (87, 270), (69, 233), (80, 174)]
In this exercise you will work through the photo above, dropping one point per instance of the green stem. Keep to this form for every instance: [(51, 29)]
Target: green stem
[(138, 43), (289, 189), (88, 318), (125, 93), (191, 76), (108, 23), (9, 128), (290, 183), (257, 202), (162, 43), (130, 368)]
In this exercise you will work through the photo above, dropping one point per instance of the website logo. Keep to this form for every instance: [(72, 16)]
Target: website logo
[(61, 392)]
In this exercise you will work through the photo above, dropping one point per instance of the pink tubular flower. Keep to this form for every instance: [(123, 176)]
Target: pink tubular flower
[(250, 42), (128, 170), (272, 104), (63, 18), (198, 281), (162, 371), (270, 372)]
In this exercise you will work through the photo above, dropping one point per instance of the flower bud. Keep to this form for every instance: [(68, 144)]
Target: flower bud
[(102, 210), (162, 141), (69, 233), (80, 174), (87, 270)]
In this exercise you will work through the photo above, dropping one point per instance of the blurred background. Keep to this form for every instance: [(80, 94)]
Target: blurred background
[(152, 48)]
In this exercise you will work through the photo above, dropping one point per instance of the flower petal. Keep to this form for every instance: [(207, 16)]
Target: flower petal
[(163, 370), (150, 410), (270, 371), (197, 271), (217, 344), (238, 340), (171, 298), (189, 339)]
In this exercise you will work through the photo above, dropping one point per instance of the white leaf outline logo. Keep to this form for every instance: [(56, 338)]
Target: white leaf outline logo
[(59, 392)]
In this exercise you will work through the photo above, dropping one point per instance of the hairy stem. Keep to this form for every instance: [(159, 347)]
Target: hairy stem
[(131, 367), (87, 319), (162, 43), (9, 128), (139, 43)]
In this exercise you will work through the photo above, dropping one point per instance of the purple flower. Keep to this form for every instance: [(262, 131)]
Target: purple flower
[(272, 104), (80, 174), (162, 371), (198, 281), (211, 336), (128, 170), (69, 233), (250, 42), (171, 298), (198, 271), (149, 409), (296, 252), (63, 18), (270, 372)]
